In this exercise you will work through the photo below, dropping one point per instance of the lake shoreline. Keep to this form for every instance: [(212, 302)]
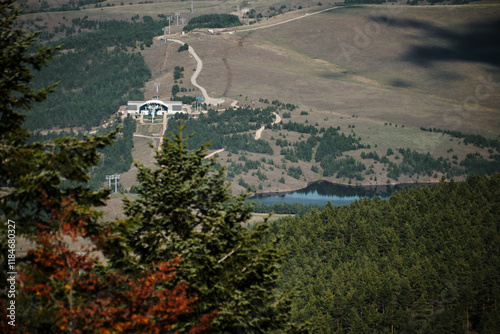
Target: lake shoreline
[(379, 187)]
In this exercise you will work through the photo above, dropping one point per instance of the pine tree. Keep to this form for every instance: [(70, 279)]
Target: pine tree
[(185, 209), (28, 170), (67, 291), (58, 289)]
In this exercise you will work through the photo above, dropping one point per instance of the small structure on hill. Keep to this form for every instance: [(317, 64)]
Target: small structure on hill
[(156, 107)]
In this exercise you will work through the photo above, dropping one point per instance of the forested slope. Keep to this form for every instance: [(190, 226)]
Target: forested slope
[(116, 158), (425, 261), (212, 21), (97, 74)]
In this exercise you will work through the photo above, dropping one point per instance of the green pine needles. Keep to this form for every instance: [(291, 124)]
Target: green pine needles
[(184, 212), (185, 209)]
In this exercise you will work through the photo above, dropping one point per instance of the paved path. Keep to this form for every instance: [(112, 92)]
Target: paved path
[(199, 67), (164, 130), (199, 63)]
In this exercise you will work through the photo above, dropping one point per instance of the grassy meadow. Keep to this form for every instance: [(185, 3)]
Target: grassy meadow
[(377, 72)]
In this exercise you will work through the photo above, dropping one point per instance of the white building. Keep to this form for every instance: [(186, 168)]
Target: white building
[(156, 106)]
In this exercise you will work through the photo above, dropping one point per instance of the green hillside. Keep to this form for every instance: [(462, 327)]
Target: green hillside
[(424, 261), (381, 73), (212, 21), (97, 73)]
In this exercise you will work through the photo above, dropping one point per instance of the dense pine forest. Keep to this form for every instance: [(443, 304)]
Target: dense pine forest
[(116, 158), (103, 73), (425, 261)]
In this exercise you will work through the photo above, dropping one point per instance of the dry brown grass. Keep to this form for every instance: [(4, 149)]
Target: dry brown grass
[(141, 153), (162, 59), (407, 90), (302, 62)]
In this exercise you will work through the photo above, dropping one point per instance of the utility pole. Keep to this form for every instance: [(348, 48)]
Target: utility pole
[(115, 177), (177, 14), (164, 29), (199, 99), (157, 84), (152, 110), (183, 20), (169, 20), (109, 177), (192, 9)]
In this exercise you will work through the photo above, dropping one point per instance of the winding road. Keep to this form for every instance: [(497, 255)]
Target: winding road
[(199, 63), (215, 101), (257, 135), (208, 156), (199, 67), (259, 132)]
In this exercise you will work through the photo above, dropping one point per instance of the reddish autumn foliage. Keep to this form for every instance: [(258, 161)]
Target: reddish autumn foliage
[(92, 299)]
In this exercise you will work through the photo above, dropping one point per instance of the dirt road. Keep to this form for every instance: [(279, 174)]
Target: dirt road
[(208, 156), (199, 67), (259, 132), (287, 21)]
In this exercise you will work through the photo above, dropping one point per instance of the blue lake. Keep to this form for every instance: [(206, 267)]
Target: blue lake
[(323, 192)]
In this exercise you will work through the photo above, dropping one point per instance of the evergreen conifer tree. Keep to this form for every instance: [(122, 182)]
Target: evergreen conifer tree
[(59, 289), (185, 209), (184, 212), (29, 170)]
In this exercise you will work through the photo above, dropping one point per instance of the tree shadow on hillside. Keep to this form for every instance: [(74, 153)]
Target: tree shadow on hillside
[(473, 42)]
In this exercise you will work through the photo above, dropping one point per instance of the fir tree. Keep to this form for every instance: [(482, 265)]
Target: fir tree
[(185, 209), (59, 290), (28, 170)]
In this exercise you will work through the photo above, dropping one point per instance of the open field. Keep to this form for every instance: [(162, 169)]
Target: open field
[(141, 153), (162, 58), (374, 83), (378, 72), (381, 83)]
